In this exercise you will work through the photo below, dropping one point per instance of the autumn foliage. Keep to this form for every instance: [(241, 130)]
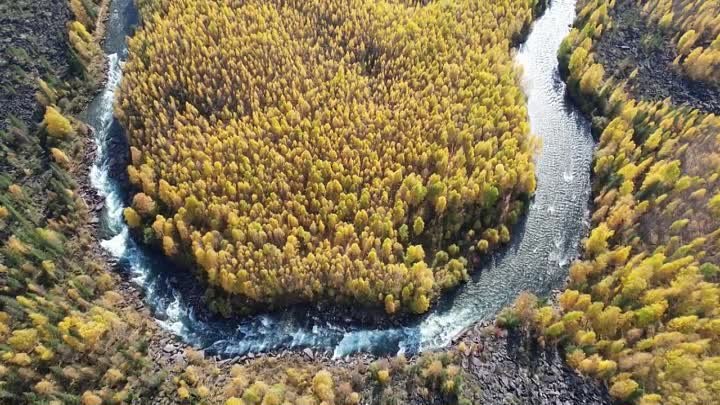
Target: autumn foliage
[(359, 151), (56, 124)]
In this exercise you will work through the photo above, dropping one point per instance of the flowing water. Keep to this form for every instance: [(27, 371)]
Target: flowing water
[(537, 259)]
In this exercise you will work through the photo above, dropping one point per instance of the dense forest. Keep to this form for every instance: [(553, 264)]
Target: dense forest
[(364, 152)]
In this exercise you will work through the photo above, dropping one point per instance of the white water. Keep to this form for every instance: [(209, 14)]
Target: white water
[(537, 259)]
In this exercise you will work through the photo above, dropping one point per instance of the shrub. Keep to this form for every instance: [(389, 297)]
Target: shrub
[(322, 385)]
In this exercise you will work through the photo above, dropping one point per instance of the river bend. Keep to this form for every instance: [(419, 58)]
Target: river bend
[(543, 244)]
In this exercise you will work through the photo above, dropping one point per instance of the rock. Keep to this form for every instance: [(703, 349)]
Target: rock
[(179, 359), (308, 352), (169, 348)]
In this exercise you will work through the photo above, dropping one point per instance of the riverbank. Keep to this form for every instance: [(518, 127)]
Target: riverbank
[(639, 57), (508, 368), (651, 251), (497, 367)]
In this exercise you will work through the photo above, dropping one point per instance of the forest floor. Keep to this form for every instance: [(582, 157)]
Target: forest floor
[(32, 46), (511, 369), (632, 44)]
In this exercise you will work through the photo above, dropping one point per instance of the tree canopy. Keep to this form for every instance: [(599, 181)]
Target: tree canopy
[(360, 151)]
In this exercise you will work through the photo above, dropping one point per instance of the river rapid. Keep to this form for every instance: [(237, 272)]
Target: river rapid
[(543, 244)]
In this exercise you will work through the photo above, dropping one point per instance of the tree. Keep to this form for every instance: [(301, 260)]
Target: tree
[(418, 226), (623, 388), (686, 42), (132, 218), (143, 204), (598, 240), (322, 385), (592, 79)]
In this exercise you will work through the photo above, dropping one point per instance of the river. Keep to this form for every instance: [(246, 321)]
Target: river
[(543, 245)]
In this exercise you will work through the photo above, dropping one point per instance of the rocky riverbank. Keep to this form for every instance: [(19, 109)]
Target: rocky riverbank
[(498, 367), (510, 369)]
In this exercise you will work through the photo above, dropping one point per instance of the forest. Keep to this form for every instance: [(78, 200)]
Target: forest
[(696, 26), (360, 152)]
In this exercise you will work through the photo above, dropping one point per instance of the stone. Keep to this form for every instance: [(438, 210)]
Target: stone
[(179, 359)]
